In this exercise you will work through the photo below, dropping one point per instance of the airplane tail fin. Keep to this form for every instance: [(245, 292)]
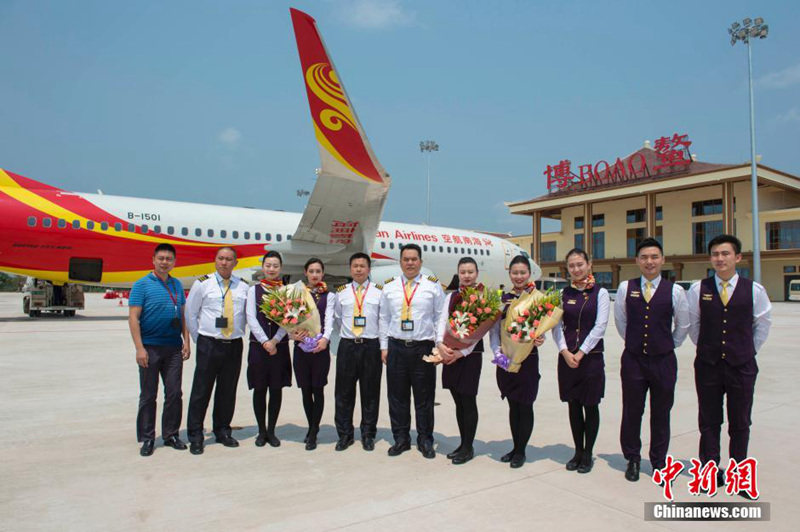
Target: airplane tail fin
[(347, 203)]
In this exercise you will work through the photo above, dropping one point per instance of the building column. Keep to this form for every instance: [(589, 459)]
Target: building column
[(536, 243), (678, 267), (615, 275), (562, 270), (650, 214), (727, 208), (587, 228)]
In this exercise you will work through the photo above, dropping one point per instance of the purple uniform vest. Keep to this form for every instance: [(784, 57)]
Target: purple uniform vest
[(649, 327), (322, 305), (726, 331), (270, 327), (580, 315)]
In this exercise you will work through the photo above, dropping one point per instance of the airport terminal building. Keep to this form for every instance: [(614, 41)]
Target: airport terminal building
[(663, 191)]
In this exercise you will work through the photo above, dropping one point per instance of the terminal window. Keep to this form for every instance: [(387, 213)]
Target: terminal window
[(706, 207), (598, 220), (578, 241), (635, 216), (702, 233), (783, 235), (547, 252), (579, 222), (599, 245)]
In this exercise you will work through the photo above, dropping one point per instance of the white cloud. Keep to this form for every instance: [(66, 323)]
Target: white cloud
[(792, 115), (229, 136), (377, 14), (781, 79)]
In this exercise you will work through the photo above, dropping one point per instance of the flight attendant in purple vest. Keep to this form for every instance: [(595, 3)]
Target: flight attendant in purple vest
[(311, 368), (581, 368), (730, 321), (462, 367), (268, 364), (521, 388), (644, 312)]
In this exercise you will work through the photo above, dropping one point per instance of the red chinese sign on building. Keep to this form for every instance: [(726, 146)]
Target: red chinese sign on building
[(672, 154)]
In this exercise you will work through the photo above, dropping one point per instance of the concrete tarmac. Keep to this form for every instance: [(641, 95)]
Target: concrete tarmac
[(70, 461)]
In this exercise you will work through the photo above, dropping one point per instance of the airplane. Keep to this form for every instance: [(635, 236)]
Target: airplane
[(65, 237)]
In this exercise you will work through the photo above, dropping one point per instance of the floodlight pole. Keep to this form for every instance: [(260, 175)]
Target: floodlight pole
[(754, 172), (428, 146)]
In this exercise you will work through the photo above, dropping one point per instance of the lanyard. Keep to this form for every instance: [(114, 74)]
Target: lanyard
[(224, 293), (405, 295), (360, 304), (166, 285)]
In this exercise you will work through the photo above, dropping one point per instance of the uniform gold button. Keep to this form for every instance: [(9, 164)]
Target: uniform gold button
[(726, 310), (723, 332), (723, 355), (645, 335), (645, 326), (647, 317), (724, 321), (723, 342), (647, 307)]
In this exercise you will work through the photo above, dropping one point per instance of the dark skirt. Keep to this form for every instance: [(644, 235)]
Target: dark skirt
[(311, 369), (523, 386), (464, 375), (268, 371), (585, 384)]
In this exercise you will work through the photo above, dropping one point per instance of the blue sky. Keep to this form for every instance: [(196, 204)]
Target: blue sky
[(204, 101)]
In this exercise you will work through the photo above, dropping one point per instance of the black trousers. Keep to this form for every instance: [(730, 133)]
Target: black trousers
[(220, 362), (165, 361), (358, 362), (406, 371)]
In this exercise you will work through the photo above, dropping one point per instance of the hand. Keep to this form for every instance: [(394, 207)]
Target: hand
[(270, 347), (539, 341), (186, 351), (454, 357), (321, 345), (445, 352), (298, 335), (141, 357), (569, 358), (579, 356), (384, 355)]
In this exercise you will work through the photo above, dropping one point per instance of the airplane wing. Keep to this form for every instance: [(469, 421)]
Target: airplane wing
[(347, 203)]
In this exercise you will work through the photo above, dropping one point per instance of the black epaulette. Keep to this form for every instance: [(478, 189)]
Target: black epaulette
[(341, 287), (243, 281), (433, 279), (202, 278), (389, 280), (378, 286)]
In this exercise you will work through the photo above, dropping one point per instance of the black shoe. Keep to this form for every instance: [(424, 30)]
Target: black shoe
[(305, 438), (228, 441), (399, 448), (147, 447), (506, 458), (344, 442), (586, 465), (272, 440), (517, 461), (574, 462), (311, 443), (632, 472), (464, 456), (196, 447), (261, 439), (454, 453), (175, 442), (368, 443), (427, 450)]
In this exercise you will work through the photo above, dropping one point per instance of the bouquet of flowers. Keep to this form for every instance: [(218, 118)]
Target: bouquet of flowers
[(292, 308), (474, 313), (527, 318)]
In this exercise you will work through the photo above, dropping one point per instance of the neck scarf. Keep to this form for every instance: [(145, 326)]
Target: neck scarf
[(586, 284), (266, 283)]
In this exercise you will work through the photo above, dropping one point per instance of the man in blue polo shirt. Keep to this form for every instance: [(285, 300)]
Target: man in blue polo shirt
[(162, 344)]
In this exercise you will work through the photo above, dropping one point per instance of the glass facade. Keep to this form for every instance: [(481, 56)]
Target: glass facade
[(706, 207), (547, 252), (783, 235), (599, 245), (702, 233)]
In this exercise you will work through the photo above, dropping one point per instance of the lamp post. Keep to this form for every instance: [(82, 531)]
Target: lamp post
[(428, 146), (745, 32)]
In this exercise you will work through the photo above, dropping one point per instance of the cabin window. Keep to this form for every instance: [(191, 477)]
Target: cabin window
[(31, 221), (211, 233), (170, 230), (258, 236), (104, 226), (278, 237), (62, 223), (424, 247), (76, 224), (144, 228), (288, 237), (487, 252), (184, 231), (198, 232), (132, 228), (267, 236), (223, 233), (235, 234), (46, 222), (383, 245), (391, 245), (448, 249), (117, 226), (247, 235)]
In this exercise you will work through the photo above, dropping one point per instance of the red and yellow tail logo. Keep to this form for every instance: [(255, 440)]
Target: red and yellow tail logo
[(335, 124)]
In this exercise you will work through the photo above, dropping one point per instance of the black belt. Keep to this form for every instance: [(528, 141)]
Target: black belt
[(360, 340), (222, 340), (411, 343)]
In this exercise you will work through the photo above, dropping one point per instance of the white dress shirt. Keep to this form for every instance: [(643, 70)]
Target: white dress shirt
[(680, 309), (444, 323), (597, 332), (426, 307), (327, 325), (345, 308), (762, 310), (252, 320), (205, 304)]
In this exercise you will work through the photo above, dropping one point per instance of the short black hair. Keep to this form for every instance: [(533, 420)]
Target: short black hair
[(649, 242), (726, 239), (272, 254), (520, 259), (360, 255), (467, 260), (313, 260), (577, 251), (165, 247), (412, 247), (235, 255)]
